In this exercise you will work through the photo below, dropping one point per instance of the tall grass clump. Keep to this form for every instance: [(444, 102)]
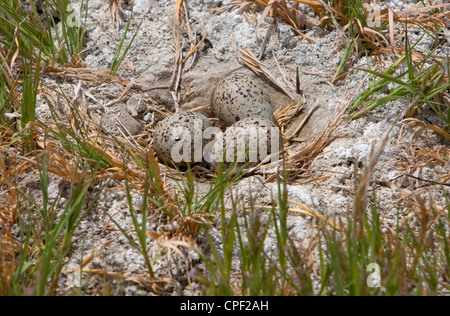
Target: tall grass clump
[(401, 261), (120, 55), (7, 95), (46, 231), (353, 18), (23, 32), (252, 252), (422, 82), (244, 235), (374, 257)]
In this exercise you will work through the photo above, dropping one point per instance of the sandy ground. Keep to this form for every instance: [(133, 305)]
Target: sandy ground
[(150, 62)]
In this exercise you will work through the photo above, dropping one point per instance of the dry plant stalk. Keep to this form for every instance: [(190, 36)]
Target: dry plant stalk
[(8, 193), (194, 49), (141, 279), (251, 61), (301, 156), (423, 126), (115, 10), (92, 256), (312, 213), (302, 123), (85, 74), (304, 210), (177, 30), (298, 158), (360, 202), (416, 156), (181, 26), (278, 8), (9, 248), (420, 15), (8, 74), (284, 115), (293, 17)]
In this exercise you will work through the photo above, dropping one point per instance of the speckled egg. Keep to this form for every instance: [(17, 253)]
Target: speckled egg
[(179, 138), (250, 140), (240, 96)]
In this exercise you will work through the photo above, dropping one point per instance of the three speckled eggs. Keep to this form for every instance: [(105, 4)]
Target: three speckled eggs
[(241, 104)]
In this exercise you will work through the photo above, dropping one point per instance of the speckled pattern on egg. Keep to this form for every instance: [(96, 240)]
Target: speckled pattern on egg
[(174, 129), (240, 96), (239, 136)]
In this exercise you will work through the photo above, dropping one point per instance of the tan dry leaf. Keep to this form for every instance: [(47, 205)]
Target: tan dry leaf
[(253, 62), (418, 123)]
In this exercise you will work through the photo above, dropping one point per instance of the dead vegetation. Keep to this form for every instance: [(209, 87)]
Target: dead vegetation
[(71, 147)]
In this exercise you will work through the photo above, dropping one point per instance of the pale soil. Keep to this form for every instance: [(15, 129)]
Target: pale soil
[(150, 63)]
